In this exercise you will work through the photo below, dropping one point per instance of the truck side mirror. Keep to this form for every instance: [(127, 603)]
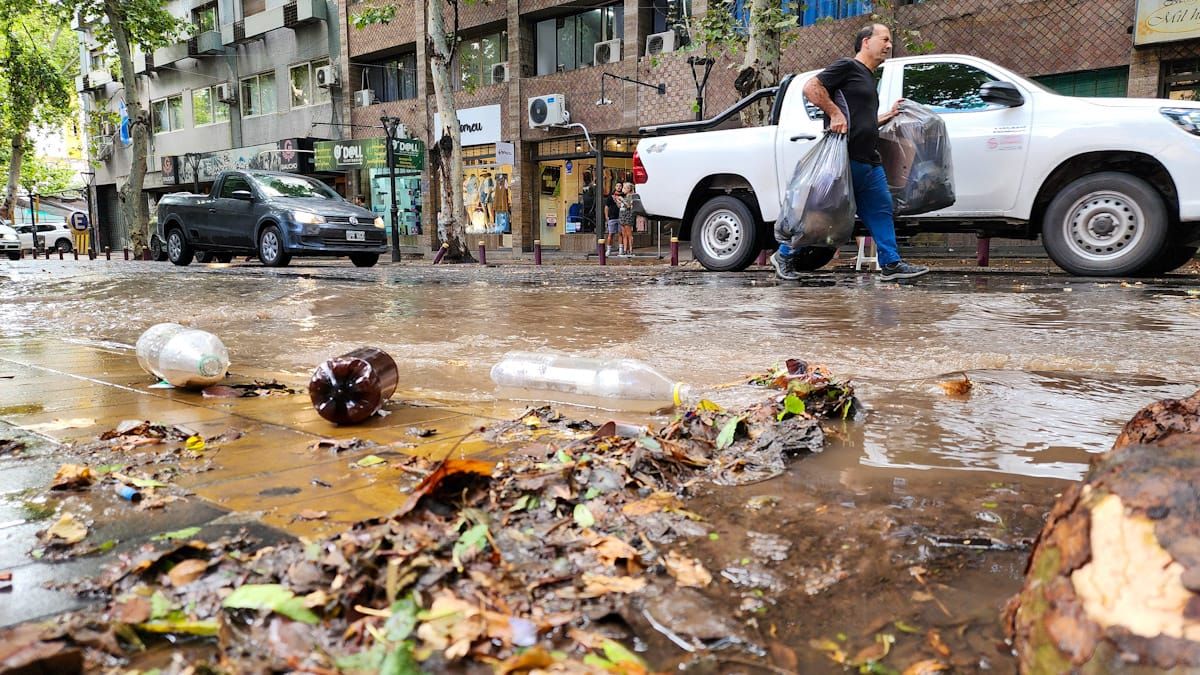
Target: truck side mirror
[(1002, 93), (245, 195)]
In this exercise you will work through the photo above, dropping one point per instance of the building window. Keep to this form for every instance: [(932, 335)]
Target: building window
[(251, 7), (205, 18), (259, 95), (569, 42), (206, 109), (476, 58), (392, 79), (1108, 82), (167, 114), (303, 84), (671, 14), (1181, 80)]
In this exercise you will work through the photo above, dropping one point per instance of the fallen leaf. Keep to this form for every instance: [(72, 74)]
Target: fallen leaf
[(60, 424), (595, 585), (611, 549), (275, 597), (370, 460), (185, 533), (687, 571), (583, 516), (145, 482), (71, 476), (187, 571), (135, 609), (310, 514), (337, 445), (527, 661), (926, 667), (204, 628), (68, 529), (934, 639), (451, 625), (448, 468), (957, 388), (659, 501), (832, 649), (194, 444)]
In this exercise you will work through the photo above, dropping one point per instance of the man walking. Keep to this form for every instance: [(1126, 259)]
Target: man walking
[(854, 79)]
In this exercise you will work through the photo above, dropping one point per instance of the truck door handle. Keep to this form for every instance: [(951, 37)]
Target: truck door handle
[(212, 210), (803, 137)]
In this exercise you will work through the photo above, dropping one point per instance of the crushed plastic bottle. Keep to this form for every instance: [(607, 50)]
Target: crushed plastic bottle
[(350, 388), (184, 357), (609, 384)]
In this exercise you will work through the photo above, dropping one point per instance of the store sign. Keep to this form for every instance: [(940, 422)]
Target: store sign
[(506, 153), (368, 153), (284, 155), (1166, 21), (478, 126)]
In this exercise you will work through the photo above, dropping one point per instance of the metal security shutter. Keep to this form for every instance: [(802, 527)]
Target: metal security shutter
[(1107, 82)]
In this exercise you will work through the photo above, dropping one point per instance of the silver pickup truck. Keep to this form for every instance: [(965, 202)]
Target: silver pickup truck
[(269, 213)]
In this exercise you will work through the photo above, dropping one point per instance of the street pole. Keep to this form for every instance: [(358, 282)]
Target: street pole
[(389, 128), (89, 177), (193, 159)]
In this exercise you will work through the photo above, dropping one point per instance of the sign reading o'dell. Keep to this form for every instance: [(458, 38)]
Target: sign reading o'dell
[(1166, 21), (368, 153)]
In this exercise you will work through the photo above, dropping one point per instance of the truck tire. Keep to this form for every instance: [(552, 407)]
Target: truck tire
[(1106, 224), (270, 248), (364, 259), (14, 255), (204, 257), (811, 258), (158, 251), (725, 235), (179, 251)]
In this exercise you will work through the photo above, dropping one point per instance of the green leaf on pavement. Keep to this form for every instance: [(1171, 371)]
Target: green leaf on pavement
[(474, 539), (725, 438), (160, 606), (564, 457), (793, 405), (617, 653), (403, 619), (583, 516), (370, 460), (185, 533), (400, 661), (275, 597), (294, 609)]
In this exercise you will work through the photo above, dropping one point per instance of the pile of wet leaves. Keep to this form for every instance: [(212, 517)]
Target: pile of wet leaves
[(544, 561)]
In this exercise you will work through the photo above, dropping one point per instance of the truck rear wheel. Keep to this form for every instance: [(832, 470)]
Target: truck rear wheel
[(158, 251), (725, 235), (1105, 224), (179, 251), (812, 258)]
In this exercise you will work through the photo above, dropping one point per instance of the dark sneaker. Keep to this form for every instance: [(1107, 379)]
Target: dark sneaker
[(785, 267), (901, 270)]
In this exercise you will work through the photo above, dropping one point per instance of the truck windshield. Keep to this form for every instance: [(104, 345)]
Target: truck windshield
[(294, 186)]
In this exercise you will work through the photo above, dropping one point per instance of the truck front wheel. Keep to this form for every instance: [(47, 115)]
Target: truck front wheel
[(1105, 224), (725, 235), (179, 251), (270, 248)]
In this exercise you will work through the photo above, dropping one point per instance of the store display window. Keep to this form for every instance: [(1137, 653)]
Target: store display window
[(487, 194), (568, 184)]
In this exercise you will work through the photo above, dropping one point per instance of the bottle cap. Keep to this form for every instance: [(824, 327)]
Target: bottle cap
[(678, 392)]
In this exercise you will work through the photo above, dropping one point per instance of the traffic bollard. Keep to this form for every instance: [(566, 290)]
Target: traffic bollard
[(441, 253), (47, 254), (91, 255), (983, 251), (108, 253), (674, 251), (601, 245), (60, 254), (537, 251), (127, 253), (482, 253), (75, 251), (762, 259)]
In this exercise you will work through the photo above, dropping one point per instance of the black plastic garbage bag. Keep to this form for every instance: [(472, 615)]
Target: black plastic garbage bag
[(818, 206), (915, 149)]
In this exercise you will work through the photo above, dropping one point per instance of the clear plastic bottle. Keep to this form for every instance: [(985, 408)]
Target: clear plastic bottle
[(350, 388), (185, 357), (610, 384)]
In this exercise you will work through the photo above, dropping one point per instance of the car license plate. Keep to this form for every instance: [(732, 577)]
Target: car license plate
[(355, 235)]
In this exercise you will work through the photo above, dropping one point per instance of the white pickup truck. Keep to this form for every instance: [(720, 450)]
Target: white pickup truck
[(1112, 185)]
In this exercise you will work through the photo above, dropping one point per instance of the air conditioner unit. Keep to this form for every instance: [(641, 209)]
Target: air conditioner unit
[(364, 98), (548, 110), (226, 93), (98, 78), (327, 76), (607, 52), (500, 72), (104, 148), (660, 43)]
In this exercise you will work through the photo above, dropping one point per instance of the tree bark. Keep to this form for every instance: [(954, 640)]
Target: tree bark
[(760, 67), (452, 225), (134, 208), (14, 175)]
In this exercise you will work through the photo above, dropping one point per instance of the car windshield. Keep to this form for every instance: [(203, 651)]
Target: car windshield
[(297, 187)]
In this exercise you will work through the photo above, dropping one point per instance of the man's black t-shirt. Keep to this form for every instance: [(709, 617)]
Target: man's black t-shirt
[(855, 81)]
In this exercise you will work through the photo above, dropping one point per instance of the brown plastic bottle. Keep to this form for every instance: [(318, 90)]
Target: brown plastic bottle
[(350, 388)]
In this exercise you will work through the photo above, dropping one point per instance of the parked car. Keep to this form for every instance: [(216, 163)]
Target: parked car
[(10, 243), (56, 236), (1109, 184), (272, 214)]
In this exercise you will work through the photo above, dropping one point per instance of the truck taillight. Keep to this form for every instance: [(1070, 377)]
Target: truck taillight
[(639, 170)]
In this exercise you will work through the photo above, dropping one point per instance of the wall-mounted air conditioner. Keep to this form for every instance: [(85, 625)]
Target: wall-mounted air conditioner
[(500, 72), (104, 148), (660, 43), (226, 93), (327, 76), (548, 110), (607, 52), (364, 98)]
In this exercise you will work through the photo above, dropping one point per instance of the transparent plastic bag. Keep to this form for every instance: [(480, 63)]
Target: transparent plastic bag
[(915, 149), (818, 206)]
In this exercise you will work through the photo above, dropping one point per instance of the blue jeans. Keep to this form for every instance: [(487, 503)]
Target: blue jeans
[(874, 201)]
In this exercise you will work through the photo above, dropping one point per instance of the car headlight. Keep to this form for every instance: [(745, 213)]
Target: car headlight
[(379, 222), (1188, 119), (307, 217)]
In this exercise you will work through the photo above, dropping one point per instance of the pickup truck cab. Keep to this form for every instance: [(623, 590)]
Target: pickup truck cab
[(1108, 183), (272, 214)]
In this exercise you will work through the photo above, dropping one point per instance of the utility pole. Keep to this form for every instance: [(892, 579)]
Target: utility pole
[(390, 125), (90, 178)]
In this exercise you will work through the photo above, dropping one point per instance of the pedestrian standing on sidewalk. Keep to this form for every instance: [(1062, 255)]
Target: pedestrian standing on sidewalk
[(855, 80), (612, 215), (627, 218)]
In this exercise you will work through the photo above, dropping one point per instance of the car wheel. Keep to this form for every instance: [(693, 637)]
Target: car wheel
[(270, 248), (14, 256), (179, 251), (63, 245), (158, 252), (223, 257), (724, 235), (204, 257), (811, 258), (364, 259), (1105, 224)]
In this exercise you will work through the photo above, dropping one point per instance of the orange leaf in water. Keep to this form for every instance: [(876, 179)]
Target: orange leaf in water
[(611, 549), (935, 641), (187, 571), (958, 388), (448, 468), (597, 584), (926, 667), (687, 571)]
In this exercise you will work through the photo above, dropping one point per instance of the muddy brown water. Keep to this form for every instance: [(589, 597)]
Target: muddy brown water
[(921, 483)]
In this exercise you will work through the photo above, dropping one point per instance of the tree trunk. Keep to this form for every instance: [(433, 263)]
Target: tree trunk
[(451, 226), (14, 174), (134, 209), (760, 67)]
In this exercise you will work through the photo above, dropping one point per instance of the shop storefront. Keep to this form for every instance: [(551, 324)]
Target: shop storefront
[(290, 154), (367, 159), (568, 183), (487, 173)]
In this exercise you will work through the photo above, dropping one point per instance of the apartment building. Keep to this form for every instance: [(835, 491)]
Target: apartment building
[(616, 66), (253, 87)]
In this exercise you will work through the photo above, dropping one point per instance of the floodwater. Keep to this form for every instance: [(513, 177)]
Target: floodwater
[(918, 515)]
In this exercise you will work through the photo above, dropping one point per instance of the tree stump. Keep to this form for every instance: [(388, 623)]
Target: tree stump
[(1113, 584)]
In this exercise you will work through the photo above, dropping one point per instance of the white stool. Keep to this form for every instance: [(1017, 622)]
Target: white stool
[(865, 243)]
